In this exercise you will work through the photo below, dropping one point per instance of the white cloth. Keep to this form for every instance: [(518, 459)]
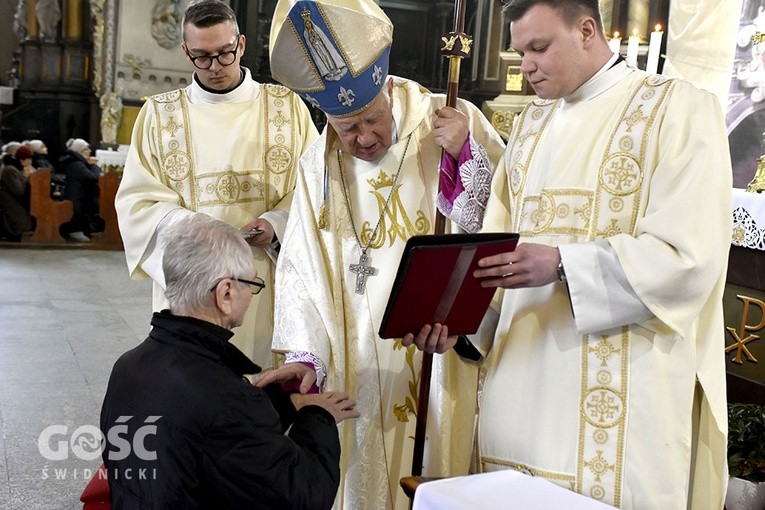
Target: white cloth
[(506, 490), (748, 219), (111, 159), (232, 156), (586, 382), (319, 312), (701, 43)]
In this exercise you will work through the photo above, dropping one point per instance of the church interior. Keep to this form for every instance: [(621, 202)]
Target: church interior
[(82, 69)]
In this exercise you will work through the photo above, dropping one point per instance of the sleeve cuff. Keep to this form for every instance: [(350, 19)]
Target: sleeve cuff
[(465, 349)]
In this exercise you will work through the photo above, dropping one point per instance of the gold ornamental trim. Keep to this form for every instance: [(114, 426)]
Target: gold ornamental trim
[(173, 139), (565, 480), (611, 208), (530, 125), (281, 153), (606, 359), (269, 184), (621, 174)]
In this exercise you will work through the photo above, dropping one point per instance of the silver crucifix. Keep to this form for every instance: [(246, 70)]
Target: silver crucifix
[(362, 270)]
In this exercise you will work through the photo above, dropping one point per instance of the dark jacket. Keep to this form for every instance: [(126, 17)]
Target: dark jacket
[(82, 189), (81, 176), (41, 161), (14, 198), (219, 442)]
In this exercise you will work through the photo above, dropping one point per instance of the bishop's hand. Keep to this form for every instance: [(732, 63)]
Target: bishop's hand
[(451, 130), (289, 373), (432, 339), (336, 403)]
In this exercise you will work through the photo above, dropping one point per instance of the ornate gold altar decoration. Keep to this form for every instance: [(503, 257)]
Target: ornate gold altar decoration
[(502, 121), (516, 92), (757, 184), (111, 115), (743, 335)]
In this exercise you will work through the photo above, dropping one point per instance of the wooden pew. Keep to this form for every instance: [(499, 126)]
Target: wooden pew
[(50, 214), (110, 238)]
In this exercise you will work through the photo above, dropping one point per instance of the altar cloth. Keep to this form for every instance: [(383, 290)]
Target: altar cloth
[(111, 161), (748, 219), (507, 489)]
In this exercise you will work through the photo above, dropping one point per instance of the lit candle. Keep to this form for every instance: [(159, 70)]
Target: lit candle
[(632, 48), (654, 47), (615, 43)]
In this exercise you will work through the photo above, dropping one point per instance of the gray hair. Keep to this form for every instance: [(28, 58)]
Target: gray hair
[(199, 252), (77, 144), (207, 13)]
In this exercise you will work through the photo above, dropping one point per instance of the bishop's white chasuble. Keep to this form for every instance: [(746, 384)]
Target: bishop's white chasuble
[(319, 311)]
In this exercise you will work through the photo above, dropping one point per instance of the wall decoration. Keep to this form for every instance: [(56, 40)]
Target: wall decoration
[(166, 20), (48, 13), (745, 116)]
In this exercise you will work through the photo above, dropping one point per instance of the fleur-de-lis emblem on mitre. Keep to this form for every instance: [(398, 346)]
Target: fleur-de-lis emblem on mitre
[(312, 100), (346, 97), (377, 75)]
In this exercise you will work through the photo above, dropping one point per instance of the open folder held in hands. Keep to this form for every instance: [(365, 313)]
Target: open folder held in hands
[(435, 283)]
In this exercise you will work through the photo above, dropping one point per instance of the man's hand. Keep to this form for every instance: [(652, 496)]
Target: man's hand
[(337, 403), (264, 238), (287, 373), (530, 265), (451, 130), (431, 339)]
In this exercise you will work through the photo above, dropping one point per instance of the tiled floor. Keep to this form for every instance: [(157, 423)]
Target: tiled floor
[(65, 317)]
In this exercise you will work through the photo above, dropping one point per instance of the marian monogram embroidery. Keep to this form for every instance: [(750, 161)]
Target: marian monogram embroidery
[(396, 223)]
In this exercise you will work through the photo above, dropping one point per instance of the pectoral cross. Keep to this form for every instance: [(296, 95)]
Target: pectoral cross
[(362, 270)]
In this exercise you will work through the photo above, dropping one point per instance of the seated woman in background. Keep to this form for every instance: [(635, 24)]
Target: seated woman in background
[(81, 188), (40, 156), (15, 193), (40, 161)]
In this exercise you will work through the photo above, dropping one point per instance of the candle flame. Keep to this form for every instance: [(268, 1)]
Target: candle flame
[(616, 35), (658, 27), (635, 32)]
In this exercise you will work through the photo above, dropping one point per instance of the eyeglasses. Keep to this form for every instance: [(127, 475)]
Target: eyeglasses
[(255, 286), (224, 58)]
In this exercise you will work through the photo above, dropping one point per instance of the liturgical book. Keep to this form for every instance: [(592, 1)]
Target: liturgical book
[(435, 283)]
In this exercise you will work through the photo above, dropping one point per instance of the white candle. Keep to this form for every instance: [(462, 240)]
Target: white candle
[(654, 48), (632, 48), (615, 43)]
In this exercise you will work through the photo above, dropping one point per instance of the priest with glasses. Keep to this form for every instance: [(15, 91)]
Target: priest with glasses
[(226, 146)]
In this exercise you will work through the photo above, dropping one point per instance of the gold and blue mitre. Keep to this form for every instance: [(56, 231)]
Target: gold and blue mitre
[(333, 53)]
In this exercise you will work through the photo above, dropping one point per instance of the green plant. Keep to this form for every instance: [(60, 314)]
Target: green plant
[(746, 441)]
